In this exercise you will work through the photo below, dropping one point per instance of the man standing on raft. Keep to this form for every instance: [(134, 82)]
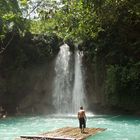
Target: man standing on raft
[(82, 119)]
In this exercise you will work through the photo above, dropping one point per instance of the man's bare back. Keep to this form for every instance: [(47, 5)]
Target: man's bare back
[(81, 113)]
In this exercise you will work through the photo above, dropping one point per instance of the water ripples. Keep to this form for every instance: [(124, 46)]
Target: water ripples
[(118, 128)]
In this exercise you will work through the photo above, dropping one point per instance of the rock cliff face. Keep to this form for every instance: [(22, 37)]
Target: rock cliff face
[(39, 99), (95, 86), (29, 91), (26, 73)]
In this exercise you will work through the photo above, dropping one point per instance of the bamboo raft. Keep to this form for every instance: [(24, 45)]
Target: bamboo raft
[(66, 133)]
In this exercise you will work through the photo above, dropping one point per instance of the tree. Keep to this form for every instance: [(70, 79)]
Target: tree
[(11, 20)]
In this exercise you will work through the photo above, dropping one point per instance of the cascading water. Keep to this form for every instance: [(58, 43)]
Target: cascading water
[(68, 94), (78, 97), (62, 86)]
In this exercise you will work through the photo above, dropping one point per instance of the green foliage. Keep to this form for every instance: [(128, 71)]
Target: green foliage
[(107, 30), (11, 21), (74, 21), (23, 2), (112, 84), (122, 86), (9, 14)]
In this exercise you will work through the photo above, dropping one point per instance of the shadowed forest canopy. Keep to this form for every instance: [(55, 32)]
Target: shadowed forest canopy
[(107, 31)]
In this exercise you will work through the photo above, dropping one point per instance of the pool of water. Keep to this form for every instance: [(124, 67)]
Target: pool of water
[(118, 127)]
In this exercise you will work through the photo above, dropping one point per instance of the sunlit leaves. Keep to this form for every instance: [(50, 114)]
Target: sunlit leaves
[(9, 10), (78, 22), (23, 2), (81, 19), (9, 16)]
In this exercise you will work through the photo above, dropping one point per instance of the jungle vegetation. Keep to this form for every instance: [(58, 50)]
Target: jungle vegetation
[(107, 31)]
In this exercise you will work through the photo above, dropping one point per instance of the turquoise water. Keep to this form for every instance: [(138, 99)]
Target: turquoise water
[(118, 127)]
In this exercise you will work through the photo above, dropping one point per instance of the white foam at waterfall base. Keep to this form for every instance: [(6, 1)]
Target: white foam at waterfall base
[(69, 91), (70, 115)]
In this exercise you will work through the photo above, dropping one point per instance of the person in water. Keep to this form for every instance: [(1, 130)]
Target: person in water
[(82, 119), (3, 113)]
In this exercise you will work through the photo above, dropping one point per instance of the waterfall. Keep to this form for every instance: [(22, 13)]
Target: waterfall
[(69, 93), (62, 86), (78, 97)]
